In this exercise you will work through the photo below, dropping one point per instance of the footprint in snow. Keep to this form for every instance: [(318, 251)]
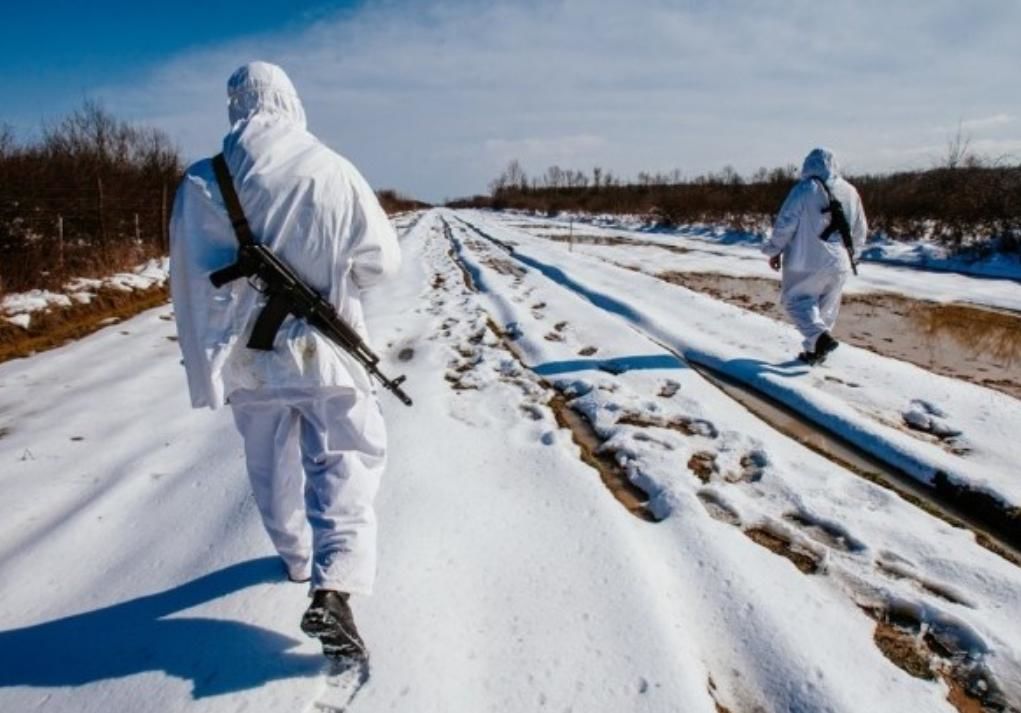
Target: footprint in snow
[(669, 389), (718, 508), (922, 415), (830, 534)]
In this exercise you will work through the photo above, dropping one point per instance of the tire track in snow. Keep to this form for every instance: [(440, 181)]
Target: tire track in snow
[(966, 680), (614, 477), (995, 523)]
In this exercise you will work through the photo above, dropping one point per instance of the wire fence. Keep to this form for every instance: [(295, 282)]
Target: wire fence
[(49, 238), (89, 198)]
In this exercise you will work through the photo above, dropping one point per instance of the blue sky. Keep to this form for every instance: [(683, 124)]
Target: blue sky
[(54, 53), (434, 96)]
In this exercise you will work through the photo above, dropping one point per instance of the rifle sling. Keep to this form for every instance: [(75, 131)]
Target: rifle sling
[(830, 200), (242, 230)]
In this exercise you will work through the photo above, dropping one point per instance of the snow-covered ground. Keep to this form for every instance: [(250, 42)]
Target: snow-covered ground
[(137, 577), (994, 283), (919, 254), (866, 398), (18, 307)]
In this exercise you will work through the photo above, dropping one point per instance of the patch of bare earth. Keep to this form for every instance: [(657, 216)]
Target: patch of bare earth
[(48, 330), (928, 653), (977, 344), (703, 465), (614, 477), (805, 561), (588, 239), (680, 424)]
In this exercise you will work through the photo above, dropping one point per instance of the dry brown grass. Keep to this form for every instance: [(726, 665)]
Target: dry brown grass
[(53, 329), (963, 206)]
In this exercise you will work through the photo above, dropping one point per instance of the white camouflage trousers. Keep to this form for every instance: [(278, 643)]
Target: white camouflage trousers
[(315, 460), (812, 300)]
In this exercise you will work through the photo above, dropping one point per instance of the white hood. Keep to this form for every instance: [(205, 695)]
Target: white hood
[(820, 163), (263, 88)]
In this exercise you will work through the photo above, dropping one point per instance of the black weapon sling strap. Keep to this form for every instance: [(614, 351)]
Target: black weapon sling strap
[(830, 200), (837, 218), (242, 230), (276, 309)]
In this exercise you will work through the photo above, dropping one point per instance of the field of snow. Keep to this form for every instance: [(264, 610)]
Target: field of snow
[(860, 395), (993, 283), (762, 576)]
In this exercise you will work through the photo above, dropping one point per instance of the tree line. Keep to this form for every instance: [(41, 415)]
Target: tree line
[(89, 197), (964, 203)]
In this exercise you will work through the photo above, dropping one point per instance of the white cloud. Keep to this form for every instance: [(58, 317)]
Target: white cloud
[(542, 152), (434, 98), (987, 122)]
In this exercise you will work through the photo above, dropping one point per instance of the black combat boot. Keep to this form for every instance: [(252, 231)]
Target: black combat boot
[(823, 346), (329, 619)]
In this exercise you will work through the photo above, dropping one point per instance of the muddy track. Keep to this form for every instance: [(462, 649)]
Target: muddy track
[(997, 527), (973, 343)]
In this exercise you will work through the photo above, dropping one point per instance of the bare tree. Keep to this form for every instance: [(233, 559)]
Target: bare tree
[(516, 175), (7, 142), (959, 149), (554, 176)]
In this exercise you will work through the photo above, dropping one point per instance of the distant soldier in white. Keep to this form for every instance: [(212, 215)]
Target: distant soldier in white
[(314, 437), (819, 230)]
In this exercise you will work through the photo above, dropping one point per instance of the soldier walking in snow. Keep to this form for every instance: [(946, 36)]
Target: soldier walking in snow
[(314, 437), (807, 241)]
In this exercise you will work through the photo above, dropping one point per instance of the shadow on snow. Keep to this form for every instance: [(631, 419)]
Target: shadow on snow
[(616, 365), (217, 655)]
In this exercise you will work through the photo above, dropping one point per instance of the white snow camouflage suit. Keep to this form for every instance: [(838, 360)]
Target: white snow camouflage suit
[(315, 442), (814, 270)]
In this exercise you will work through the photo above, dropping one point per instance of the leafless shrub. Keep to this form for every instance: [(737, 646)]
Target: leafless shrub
[(90, 197), (963, 203), (394, 202)]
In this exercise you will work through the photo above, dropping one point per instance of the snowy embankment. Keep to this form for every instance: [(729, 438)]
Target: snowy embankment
[(705, 249), (138, 577), (863, 397), (19, 307), (667, 425), (916, 254)]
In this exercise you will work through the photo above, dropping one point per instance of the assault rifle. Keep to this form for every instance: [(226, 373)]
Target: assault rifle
[(838, 223), (287, 293)]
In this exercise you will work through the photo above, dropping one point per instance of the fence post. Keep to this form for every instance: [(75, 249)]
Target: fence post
[(139, 251), (163, 221), (102, 223), (60, 247)]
